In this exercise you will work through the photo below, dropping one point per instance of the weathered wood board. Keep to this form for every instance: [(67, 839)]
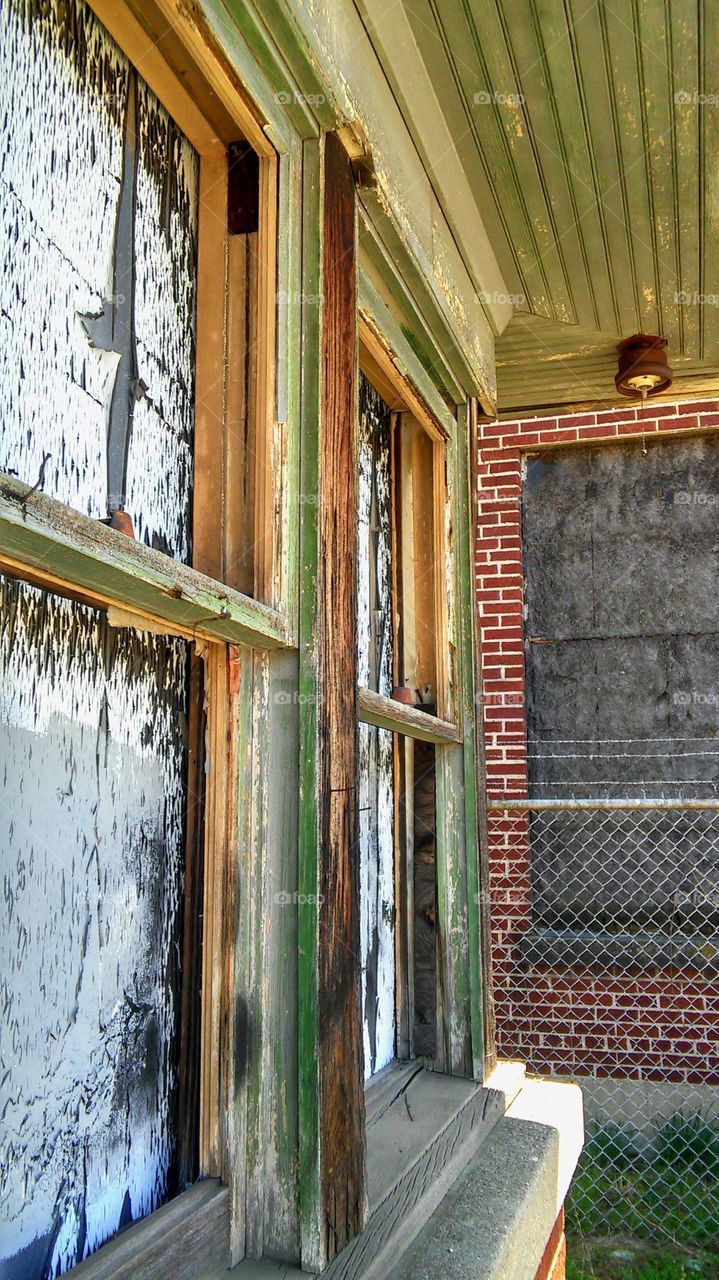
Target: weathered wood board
[(338, 977), (93, 775)]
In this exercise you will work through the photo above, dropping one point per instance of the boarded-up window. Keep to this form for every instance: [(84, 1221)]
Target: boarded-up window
[(620, 551), (397, 646), (376, 746), (98, 235), (92, 769)]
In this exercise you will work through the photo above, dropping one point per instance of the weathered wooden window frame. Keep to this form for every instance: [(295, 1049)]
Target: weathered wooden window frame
[(44, 542), (391, 364), (96, 564)]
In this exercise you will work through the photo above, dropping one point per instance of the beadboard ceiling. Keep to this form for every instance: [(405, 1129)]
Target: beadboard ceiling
[(588, 131)]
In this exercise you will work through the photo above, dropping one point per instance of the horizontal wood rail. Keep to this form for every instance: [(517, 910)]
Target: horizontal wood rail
[(399, 717), (54, 547), (186, 1238)]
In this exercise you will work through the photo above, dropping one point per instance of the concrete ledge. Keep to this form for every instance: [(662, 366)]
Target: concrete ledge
[(495, 1222), (567, 948)]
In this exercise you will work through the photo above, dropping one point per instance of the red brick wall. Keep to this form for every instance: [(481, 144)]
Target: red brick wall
[(566, 1022), (554, 1263)]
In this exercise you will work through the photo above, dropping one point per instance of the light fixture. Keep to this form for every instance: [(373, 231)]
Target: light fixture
[(643, 368)]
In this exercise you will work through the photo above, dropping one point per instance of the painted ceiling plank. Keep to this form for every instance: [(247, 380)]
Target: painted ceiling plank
[(496, 143), (555, 223), (709, 214), (564, 83), (658, 112), (684, 66), (486, 146), (632, 181), (607, 124), (38, 532), (333, 36), (423, 97)]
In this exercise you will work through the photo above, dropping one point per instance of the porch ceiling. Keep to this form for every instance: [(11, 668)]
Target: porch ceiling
[(588, 132)]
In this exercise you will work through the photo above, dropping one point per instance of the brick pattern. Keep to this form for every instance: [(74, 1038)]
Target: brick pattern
[(662, 1027)]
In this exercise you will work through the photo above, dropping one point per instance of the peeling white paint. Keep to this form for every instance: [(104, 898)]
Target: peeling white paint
[(63, 87), (92, 770), (376, 747)]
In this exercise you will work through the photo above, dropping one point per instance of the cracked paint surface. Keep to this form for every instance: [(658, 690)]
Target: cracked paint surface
[(92, 766), (64, 86), (376, 746)]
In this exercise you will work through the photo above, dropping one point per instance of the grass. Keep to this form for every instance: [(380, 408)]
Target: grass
[(627, 1259), (669, 1191)]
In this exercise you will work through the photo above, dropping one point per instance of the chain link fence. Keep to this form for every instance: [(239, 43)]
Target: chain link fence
[(605, 919)]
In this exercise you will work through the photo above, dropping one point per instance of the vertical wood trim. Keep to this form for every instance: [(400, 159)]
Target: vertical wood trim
[(236, 539), (484, 923), (310, 1210), (339, 1017), (268, 564), (190, 1051), (441, 649), (209, 471), (464, 469), (213, 983)]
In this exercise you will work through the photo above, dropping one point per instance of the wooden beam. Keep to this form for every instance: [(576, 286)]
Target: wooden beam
[(53, 546), (395, 377), (399, 717), (175, 51), (311, 1228), (341, 1093)]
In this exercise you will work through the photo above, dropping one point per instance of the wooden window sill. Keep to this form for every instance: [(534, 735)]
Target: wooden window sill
[(55, 547), (398, 717), (186, 1238)]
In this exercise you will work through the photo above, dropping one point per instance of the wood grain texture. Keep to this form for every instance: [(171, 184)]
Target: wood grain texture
[(340, 1044), (107, 567), (309, 1176), (186, 1239), (416, 1149), (402, 718)]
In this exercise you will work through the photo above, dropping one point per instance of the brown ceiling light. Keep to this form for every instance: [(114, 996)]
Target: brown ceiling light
[(643, 369)]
